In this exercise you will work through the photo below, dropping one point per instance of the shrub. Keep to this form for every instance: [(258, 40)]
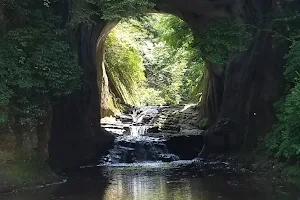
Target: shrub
[(284, 139)]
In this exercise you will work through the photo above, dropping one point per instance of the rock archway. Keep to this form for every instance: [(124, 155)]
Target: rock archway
[(238, 100)]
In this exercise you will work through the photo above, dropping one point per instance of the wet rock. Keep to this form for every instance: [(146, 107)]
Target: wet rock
[(157, 133), (185, 146), (67, 152), (130, 149), (154, 129), (125, 118), (191, 132), (171, 128), (168, 157), (120, 154)]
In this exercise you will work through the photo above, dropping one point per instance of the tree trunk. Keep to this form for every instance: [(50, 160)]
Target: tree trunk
[(43, 131), (18, 132), (19, 144), (212, 92)]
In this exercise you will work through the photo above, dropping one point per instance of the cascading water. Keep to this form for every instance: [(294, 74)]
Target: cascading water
[(132, 145), (140, 116), (130, 149), (138, 130)]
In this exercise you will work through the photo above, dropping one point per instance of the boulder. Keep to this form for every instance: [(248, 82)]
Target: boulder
[(187, 147)]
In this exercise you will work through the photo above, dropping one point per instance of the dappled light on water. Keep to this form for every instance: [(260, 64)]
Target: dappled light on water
[(146, 182), (148, 188)]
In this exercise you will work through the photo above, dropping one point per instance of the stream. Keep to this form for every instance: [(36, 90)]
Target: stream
[(149, 162), (153, 183)]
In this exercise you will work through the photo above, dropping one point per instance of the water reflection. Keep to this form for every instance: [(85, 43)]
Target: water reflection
[(131, 186), (157, 184), (148, 188)]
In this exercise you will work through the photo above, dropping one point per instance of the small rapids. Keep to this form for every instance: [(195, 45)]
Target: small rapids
[(132, 149), (136, 123), (132, 145), (138, 130)]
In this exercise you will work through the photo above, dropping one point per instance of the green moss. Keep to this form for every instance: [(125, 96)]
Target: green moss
[(20, 167), (27, 173), (203, 122)]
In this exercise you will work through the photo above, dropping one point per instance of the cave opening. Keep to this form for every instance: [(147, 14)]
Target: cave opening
[(150, 82), (234, 86), (148, 60), (66, 65)]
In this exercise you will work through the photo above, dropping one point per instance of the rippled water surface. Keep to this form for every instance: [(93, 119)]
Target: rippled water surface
[(158, 182)]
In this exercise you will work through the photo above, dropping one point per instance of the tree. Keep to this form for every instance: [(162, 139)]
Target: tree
[(37, 67), (123, 64)]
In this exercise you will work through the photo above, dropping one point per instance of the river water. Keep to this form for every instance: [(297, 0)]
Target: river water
[(144, 178), (154, 182)]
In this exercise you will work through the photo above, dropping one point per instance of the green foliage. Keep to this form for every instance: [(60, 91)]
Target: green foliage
[(150, 96), (192, 87), (292, 171), (36, 64), (284, 139), (286, 25), (174, 31), (203, 123), (123, 65), (151, 46), (174, 67), (219, 40), (56, 69), (90, 11), (118, 9), (36, 67), (293, 63), (180, 38), (164, 73)]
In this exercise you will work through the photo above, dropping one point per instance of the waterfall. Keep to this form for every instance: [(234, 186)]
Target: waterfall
[(138, 130), (139, 127)]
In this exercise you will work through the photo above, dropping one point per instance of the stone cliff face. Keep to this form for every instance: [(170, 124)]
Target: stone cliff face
[(239, 98), (243, 91), (76, 134)]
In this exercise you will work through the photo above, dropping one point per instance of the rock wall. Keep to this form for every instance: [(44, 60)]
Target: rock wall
[(107, 107), (77, 137), (238, 100), (244, 92)]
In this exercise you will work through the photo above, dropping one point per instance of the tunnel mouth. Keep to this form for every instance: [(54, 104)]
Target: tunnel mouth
[(132, 106)]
